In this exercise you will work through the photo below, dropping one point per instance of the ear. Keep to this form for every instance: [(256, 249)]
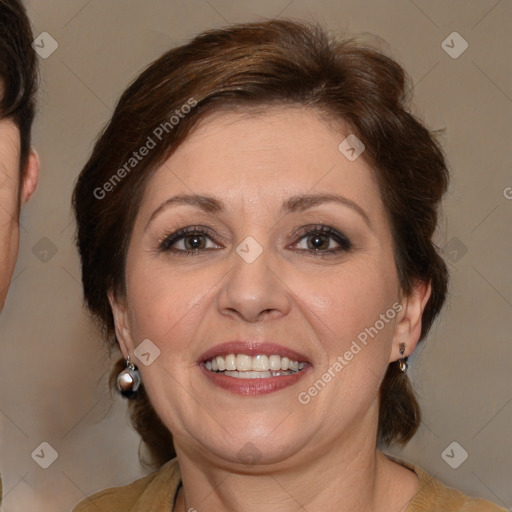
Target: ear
[(30, 177), (121, 323), (408, 325)]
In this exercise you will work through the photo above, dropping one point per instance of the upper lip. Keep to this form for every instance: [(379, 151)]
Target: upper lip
[(251, 348)]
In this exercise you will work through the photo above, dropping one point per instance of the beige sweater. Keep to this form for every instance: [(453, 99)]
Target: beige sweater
[(157, 492)]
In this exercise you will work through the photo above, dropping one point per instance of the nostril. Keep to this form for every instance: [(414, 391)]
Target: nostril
[(267, 313)]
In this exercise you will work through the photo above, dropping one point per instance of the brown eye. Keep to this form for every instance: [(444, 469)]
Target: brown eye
[(323, 239), (194, 242), (318, 241), (191, 240)]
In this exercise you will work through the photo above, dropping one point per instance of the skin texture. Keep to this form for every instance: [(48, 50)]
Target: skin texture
[(321, 455), (10, 199)]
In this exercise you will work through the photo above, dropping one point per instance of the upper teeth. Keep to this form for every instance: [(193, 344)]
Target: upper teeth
[(260, 362)]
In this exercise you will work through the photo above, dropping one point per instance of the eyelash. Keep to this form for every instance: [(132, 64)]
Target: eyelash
[(344, 243)]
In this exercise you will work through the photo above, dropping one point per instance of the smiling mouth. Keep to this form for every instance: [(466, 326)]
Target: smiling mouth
[(260, 366)]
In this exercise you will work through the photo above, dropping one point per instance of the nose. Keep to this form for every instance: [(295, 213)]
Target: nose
[(254, 291)]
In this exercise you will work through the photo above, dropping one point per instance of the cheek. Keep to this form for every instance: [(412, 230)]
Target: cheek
[(166, 304), (353, 319), (343, 302), (9, 202)]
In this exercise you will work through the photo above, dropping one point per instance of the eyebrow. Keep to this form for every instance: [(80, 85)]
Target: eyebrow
[(296, 203)]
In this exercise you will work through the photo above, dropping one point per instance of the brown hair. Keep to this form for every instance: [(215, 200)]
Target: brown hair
[(18, 72), (275, 62)]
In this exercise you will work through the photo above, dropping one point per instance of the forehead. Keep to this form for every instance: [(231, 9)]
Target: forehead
[(277, 152)]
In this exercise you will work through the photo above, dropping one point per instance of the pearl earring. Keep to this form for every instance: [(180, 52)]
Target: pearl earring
[(128, 381), (402, 363)]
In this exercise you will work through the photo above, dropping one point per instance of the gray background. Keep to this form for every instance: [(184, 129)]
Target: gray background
[(53, 369)]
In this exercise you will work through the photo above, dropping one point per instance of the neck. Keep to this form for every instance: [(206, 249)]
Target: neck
[(347, 477)]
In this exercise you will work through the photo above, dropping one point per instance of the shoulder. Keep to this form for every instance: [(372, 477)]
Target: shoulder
[(432, 496), (146, 494)]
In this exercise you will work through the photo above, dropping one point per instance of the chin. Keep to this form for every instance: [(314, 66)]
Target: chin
[(255, 454), (256, 446)]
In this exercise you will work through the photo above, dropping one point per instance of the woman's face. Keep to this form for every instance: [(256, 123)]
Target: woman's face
[(9, 192), (10, 196), (289, 259)]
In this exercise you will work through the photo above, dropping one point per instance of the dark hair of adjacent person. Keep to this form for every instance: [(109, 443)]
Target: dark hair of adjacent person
[(18, 72), (249, 67)]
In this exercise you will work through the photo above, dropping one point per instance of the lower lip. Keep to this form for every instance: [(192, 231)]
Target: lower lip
[(253, 387)]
